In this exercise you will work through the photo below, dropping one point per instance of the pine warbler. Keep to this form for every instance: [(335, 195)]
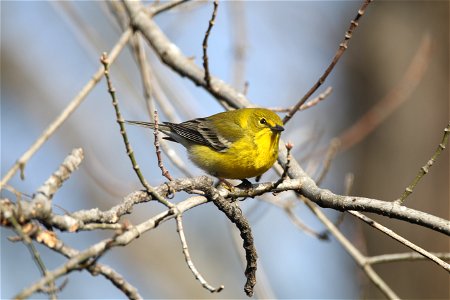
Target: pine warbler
[(236, 144)]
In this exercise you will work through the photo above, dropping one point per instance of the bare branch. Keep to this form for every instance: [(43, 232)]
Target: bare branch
[(401, 239), (205, 44), (392, 100), (426, 168), (165, 6), (164, 171), (34, 253), (342, 47), (331, 153), (359, 258), (409, 256), (66, 113), (172, 56), (68, 166), (309, 104), (87, 257), (106, 63), (58, 246), (234, 214), (188, 259)]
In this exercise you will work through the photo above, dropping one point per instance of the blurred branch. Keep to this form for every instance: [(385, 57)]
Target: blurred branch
[(150, 85), (288, 208), (329, 156), (238, 29), (171, 55), (309, 104), (155, 10), (409, 256), (426, 168), (357, 256), (65, 114), (300, 182), (342, 47), (392, 100)]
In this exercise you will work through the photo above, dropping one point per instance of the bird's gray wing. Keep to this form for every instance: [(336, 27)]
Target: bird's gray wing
[(201, 131)]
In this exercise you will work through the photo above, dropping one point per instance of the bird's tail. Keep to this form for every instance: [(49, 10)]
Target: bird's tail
[(161, 127), (142, 124)]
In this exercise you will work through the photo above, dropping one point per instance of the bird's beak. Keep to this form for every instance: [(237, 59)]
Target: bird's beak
[(277, 128)]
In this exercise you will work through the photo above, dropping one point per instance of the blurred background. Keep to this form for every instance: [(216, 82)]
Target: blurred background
[(49, 50)]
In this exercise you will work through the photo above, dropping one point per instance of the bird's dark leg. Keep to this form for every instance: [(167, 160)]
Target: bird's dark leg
[(245, 184)]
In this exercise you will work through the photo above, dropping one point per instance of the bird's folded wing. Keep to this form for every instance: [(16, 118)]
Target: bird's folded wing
[(204, 132)]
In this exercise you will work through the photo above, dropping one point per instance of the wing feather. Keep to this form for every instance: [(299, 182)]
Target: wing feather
[(201, 131)]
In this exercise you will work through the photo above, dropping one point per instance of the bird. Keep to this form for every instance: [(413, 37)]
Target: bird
[(236, 144)]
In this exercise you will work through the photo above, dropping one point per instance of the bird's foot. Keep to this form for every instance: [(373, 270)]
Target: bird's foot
[(244, 185)]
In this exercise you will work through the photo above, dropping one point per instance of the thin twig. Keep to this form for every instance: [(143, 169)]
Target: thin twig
[(331, 153), (87, 257), (151, 89), (284, 176), (189, 261), (205, 45), (401, 239), (164, 171), (165, 6), (117, 279), (288, 208), (106, 63), (172, 56), (151, 93), (409, 256), (40, 206), (309, 104), (342, 47), (426, 168), (359, 258), (34, 253), (66, 113)]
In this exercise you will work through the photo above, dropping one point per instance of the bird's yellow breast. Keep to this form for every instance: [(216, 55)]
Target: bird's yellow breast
[(248, 157)]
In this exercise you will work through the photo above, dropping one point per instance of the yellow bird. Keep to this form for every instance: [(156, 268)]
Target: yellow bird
[(236, 144)]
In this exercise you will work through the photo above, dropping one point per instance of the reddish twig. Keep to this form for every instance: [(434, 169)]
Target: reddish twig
[(389, 103), (106, 63), (342, 47), (164, 171)]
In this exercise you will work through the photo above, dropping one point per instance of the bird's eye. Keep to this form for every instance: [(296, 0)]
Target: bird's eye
[(263, 121)]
